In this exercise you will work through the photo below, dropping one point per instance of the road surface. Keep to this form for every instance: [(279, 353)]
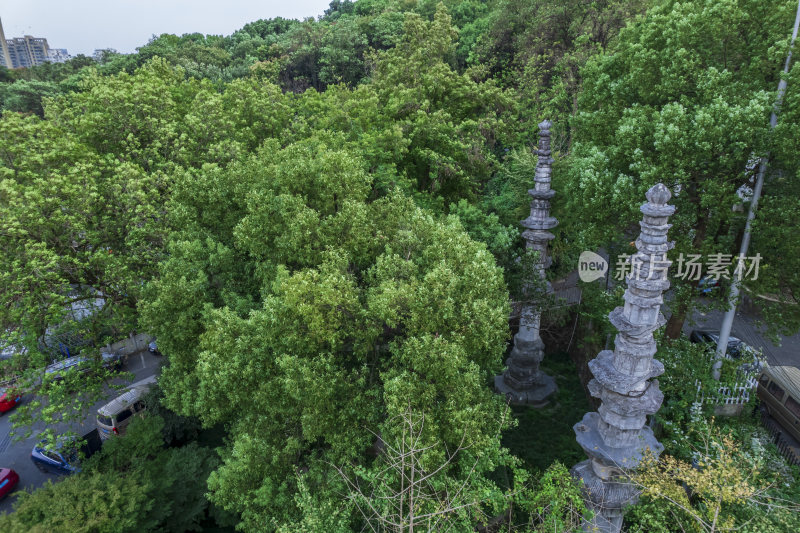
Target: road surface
[(17, 454), (786, 353)]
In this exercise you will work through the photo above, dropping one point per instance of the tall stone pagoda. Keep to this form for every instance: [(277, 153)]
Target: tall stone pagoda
[(523, 383), (616, 437)]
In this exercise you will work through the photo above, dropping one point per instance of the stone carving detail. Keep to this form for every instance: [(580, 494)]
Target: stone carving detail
[(523, 382), (615, 437)]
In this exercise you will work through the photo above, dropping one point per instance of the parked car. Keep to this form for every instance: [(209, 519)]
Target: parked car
[(114, 417), (779, 392), (707, 285), (82, 364), (58, 369), (736, 348), (153, 347), (111, 359), (64, 457), (7, 351), (8, 480), (9, 399)]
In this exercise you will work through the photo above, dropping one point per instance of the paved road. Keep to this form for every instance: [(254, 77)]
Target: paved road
[(785, 353), (16, 454)]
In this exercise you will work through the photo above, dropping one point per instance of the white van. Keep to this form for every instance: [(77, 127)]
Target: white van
[(114, 416), (779, 392)]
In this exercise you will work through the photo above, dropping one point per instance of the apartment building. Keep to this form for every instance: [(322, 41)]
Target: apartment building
[(19, 52)]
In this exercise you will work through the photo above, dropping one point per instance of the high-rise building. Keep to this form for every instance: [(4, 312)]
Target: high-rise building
[(100, 54), (38, 49), (27, 51), (5, 58), (24, 51), (58, 55)]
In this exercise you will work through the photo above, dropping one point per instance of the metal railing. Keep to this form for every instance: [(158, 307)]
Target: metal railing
[(789, 452)]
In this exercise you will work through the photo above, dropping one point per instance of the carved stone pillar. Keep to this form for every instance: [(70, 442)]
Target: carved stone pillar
[(615, 437), (523, 383)]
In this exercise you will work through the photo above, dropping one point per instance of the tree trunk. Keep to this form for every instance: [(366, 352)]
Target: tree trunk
[(675, 322)]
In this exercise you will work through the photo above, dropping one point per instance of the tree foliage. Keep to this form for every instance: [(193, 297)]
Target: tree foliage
[(80, 234), (319, 220), (133, 484), (684, 100), (726, 486), (300, 315)]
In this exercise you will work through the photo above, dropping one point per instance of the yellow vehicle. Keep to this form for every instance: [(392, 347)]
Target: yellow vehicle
[(113, 417), (779, 392)]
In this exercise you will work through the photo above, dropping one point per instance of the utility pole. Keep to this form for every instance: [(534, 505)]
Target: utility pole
[(733, 296)]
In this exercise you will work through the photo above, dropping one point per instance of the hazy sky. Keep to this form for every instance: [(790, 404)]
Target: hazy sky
[(81, 26)]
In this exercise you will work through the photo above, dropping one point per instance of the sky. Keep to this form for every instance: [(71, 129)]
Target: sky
[(81, 26)]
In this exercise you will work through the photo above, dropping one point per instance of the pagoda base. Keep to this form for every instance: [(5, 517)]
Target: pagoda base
[(605, 499), (535, 395)]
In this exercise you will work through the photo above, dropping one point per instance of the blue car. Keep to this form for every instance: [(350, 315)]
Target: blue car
[(63, 458), (708, 285), (153, 347), (60, 368)]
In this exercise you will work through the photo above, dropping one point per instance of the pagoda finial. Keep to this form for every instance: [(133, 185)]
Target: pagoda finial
[(658, 194)]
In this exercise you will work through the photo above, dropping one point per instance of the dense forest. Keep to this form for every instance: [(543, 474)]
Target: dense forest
[(319, 222)]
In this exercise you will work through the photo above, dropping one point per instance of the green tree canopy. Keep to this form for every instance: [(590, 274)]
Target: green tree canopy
[(303, 316), (27, 96), (684, 99), (81, 232)]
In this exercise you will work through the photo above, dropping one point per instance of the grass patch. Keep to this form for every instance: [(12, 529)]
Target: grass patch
[(545, 435)]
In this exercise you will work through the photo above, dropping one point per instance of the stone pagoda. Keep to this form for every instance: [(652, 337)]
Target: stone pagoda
[(615, 437), (522, 382)]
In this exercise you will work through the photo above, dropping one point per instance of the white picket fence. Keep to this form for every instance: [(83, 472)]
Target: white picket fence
[(738, 394)]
